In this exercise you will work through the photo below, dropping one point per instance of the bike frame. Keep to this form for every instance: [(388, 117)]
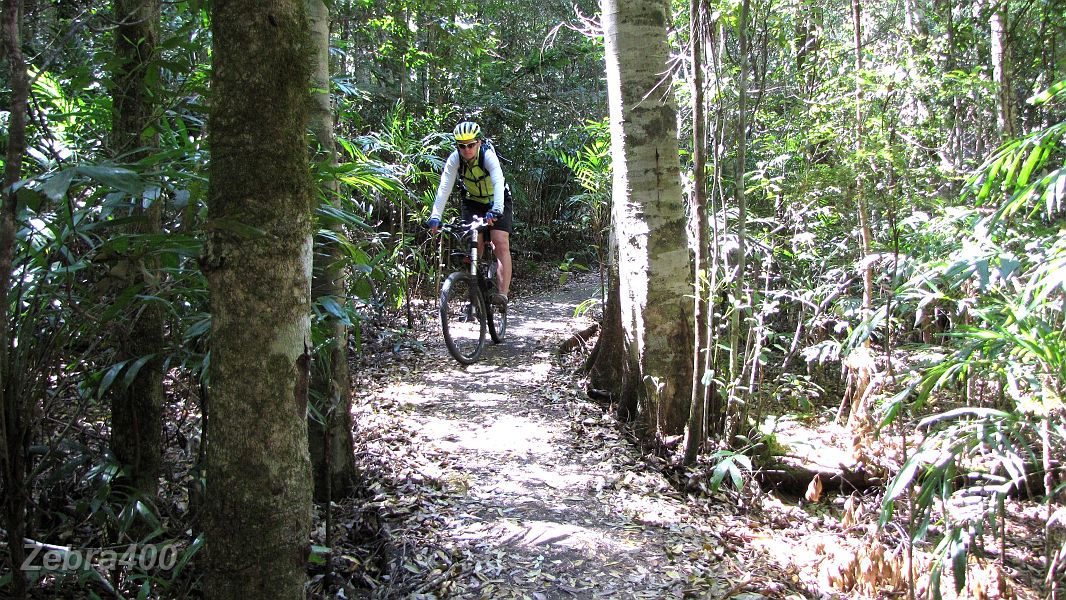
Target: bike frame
[(479, 280)]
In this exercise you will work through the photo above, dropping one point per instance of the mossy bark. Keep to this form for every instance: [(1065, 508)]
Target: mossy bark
[(137, 409), (330, 437), (14, 413), (655, 274), (258, 264)]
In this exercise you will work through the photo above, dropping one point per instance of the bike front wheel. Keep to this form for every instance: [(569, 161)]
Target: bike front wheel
[(462, 317), (497, 314), (497, 321)]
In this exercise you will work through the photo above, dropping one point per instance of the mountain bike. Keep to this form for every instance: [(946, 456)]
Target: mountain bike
[(466, 314)]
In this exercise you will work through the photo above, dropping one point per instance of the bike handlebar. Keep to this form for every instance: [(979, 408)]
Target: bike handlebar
[(477, 224)]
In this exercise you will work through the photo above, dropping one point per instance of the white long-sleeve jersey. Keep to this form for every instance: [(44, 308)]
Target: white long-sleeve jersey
[(450, 174)]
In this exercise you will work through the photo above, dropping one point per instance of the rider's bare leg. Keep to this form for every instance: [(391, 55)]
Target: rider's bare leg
[(501, 246)]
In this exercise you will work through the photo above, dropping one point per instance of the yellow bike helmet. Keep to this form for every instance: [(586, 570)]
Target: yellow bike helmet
[(466, 131)]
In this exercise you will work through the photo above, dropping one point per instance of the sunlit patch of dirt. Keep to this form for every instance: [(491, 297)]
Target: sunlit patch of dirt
[(504, 480)]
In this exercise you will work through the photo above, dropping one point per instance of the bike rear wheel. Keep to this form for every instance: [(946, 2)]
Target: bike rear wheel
[(462, 317)]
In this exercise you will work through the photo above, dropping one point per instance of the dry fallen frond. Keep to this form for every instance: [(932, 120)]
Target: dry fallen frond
[(868, 569), (852, 512), (814, 489)]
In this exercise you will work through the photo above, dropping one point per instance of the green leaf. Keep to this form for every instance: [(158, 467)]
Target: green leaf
[(109, 378), (186, 556), (117, 178), (56, 185), (362, 288), (905, 477), (1035, 159), (234, 225), (334, 308), (1046, 95), (959, 554), (135, 368), (318, 554)]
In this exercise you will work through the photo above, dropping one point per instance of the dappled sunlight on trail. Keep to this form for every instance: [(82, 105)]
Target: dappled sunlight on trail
[(545, 498)]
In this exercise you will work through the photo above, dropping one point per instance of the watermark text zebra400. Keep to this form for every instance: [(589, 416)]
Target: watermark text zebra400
[(60, 558)]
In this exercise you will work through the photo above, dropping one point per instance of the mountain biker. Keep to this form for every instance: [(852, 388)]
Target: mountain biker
[(484, 194)]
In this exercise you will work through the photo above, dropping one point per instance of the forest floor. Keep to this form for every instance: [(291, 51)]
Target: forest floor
[(504, 480)]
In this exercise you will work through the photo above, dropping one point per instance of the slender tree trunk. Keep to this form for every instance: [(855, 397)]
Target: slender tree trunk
[(331, 443), (696, 434), (860, 196), (716, 405), (655, 274), (137, 409), (16, 423), (258, 265), (1006, 111), (739, 268), (956, 148), (860, 364)]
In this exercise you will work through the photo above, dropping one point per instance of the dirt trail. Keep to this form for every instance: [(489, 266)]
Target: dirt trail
[(538, 495), (503, 480)]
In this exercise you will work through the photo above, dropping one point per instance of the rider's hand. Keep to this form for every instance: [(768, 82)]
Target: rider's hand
[(491, 216), (434, 225)]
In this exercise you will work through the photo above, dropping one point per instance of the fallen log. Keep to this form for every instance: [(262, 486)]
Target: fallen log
[(794, 479), (579, 339)]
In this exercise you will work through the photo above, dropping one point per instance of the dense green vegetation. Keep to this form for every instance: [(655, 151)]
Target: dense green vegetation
[(902, 201)]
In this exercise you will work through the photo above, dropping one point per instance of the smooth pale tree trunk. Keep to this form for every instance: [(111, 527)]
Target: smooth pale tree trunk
[(137, 409), (655, 276), (15, 425), (258, 265), (1006, 111), (330, 433)]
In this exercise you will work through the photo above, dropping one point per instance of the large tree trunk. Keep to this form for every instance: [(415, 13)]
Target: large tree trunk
[(654, 272), (330, 432), (15, 424), (258, 265), (610, 366), (137, 409)]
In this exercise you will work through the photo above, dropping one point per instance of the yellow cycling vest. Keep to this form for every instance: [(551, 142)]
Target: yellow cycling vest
[(476, 179)]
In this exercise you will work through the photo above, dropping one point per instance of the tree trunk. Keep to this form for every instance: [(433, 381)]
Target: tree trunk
[(655, 276), (859, 364), (955, 139), (331, 444), (1006, 111), (15, 425), (716, 405), (258, 265), (137, 409), (696, 433), (605, 365), (740, 268)]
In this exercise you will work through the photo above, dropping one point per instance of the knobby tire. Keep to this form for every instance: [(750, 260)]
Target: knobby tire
[(462, 317), (497, 320)]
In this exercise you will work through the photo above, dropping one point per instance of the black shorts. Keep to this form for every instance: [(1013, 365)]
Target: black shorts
[(470, 209)]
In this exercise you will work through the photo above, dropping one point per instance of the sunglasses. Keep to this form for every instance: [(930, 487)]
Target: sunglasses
[(465, 146)]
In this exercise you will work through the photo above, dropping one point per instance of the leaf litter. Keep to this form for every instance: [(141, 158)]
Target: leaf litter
[(504, 480)]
